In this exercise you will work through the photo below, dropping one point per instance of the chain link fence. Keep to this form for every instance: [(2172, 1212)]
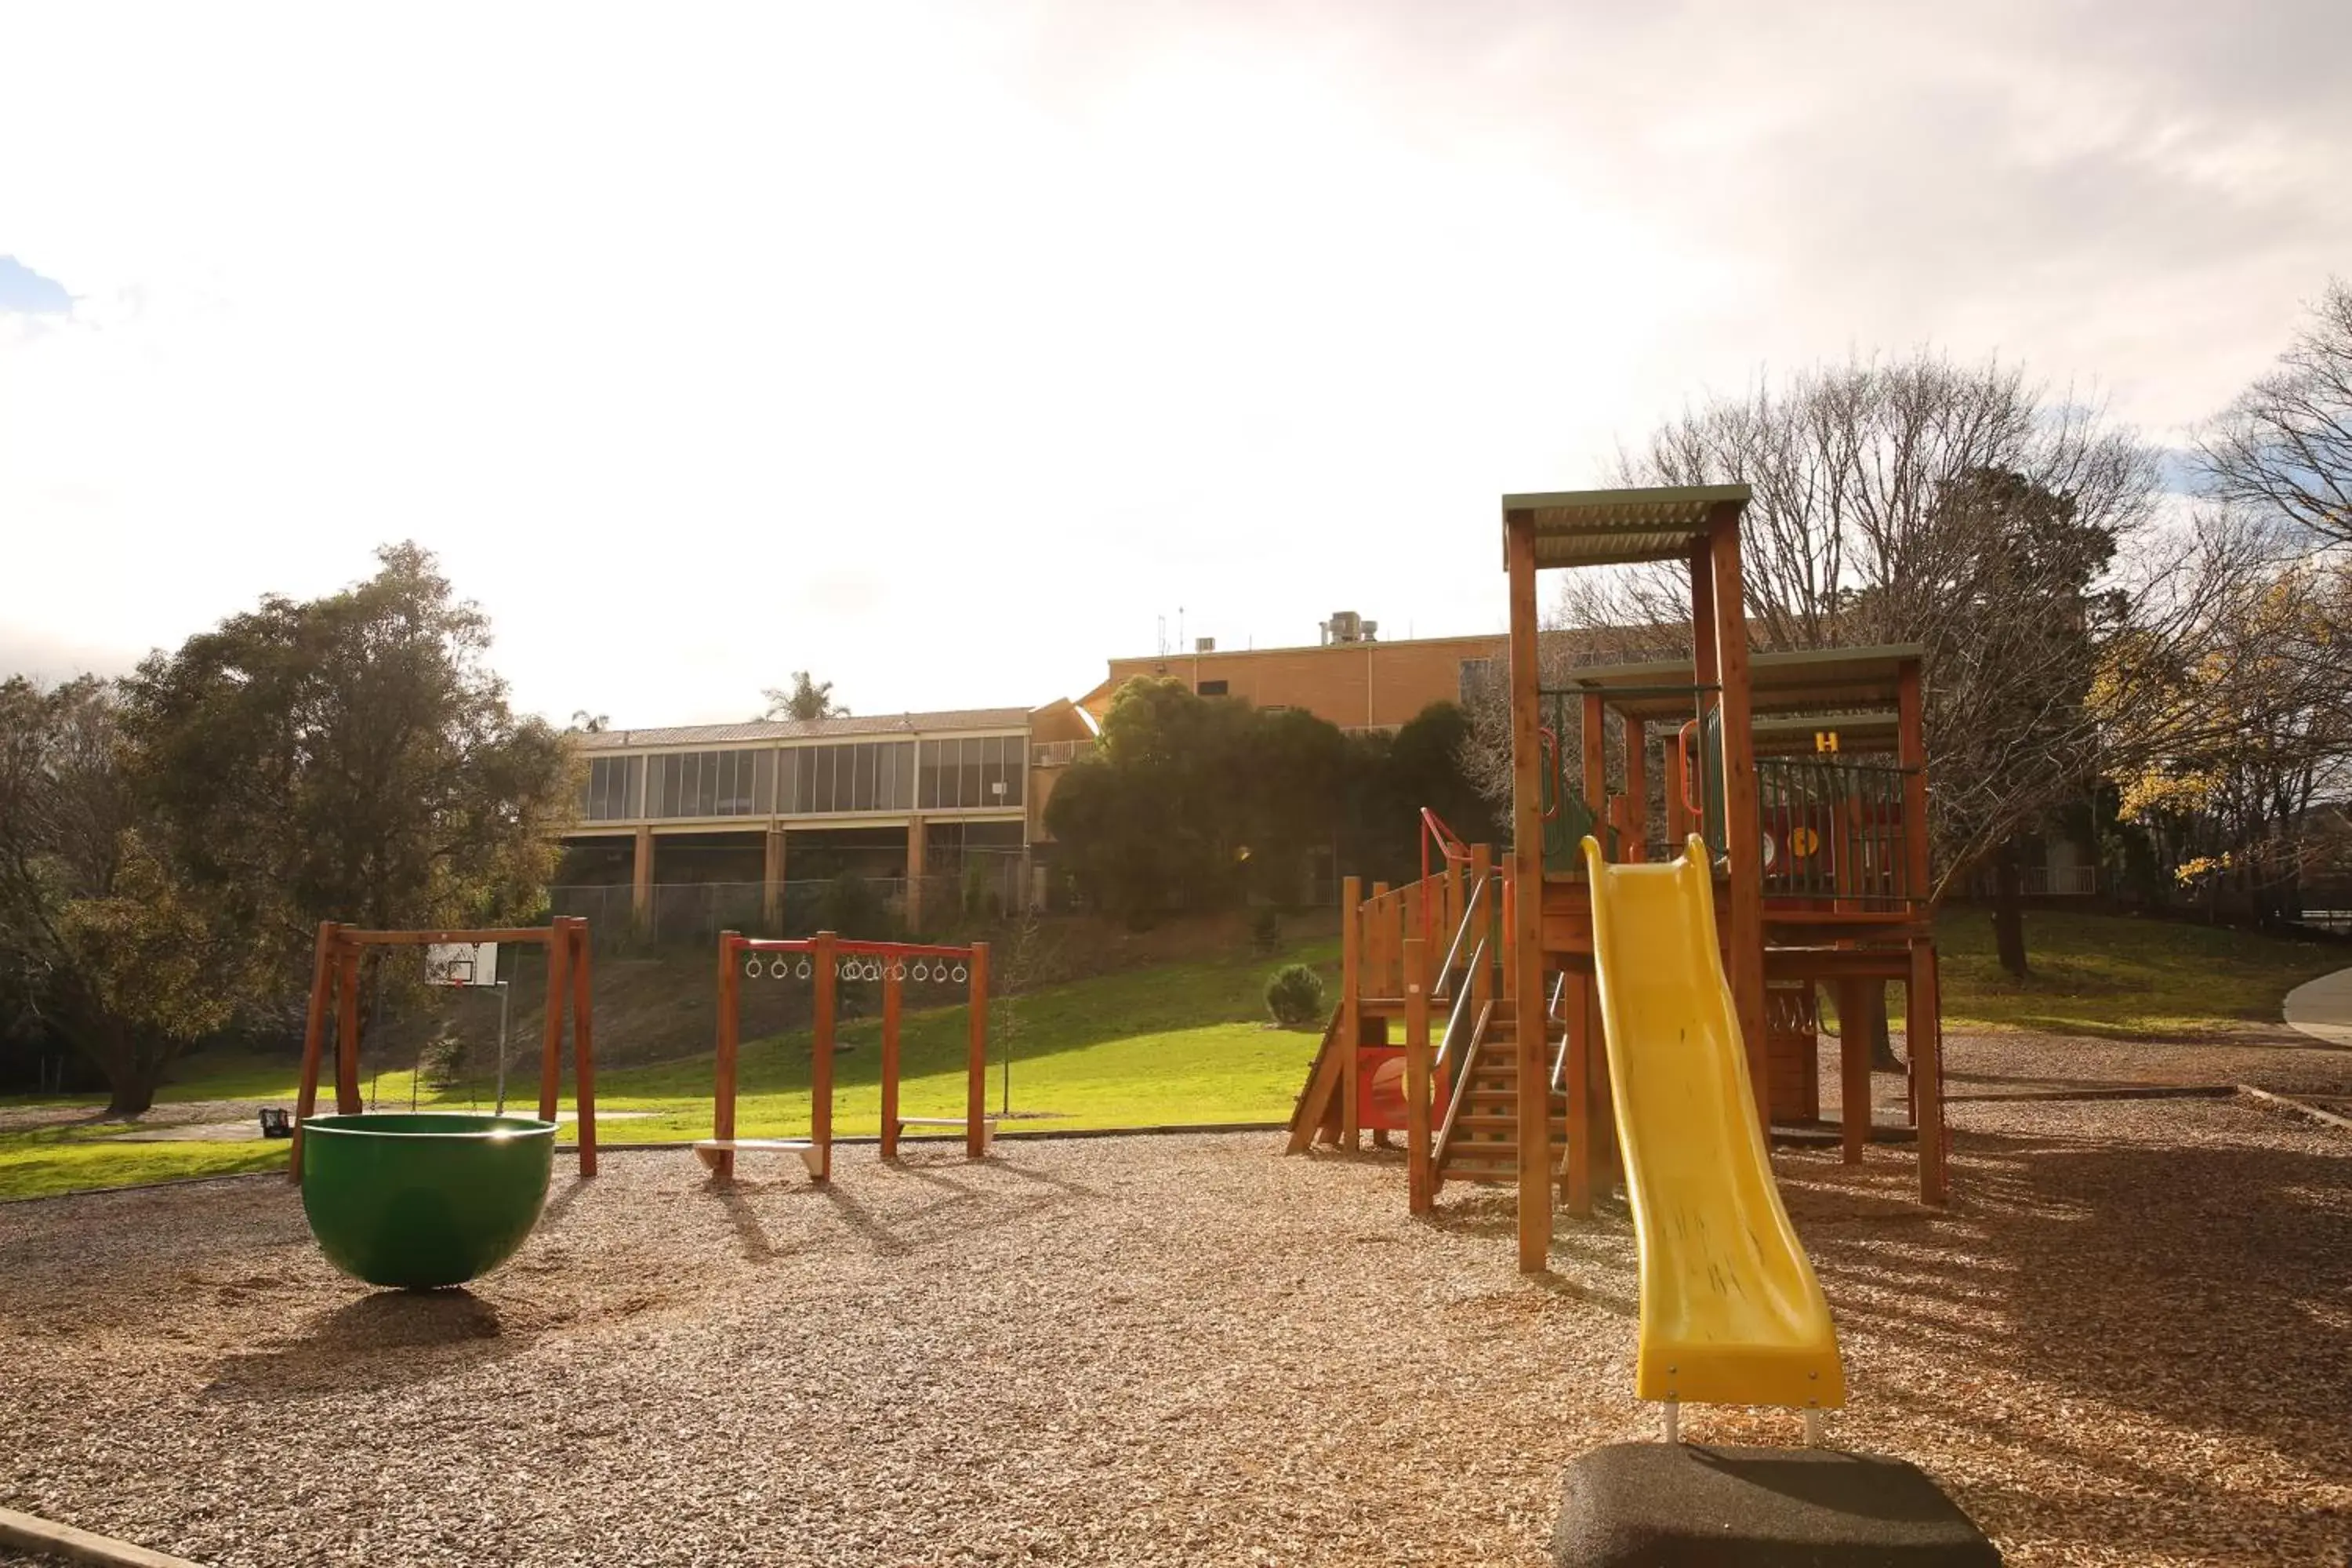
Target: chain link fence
[(984, 886)]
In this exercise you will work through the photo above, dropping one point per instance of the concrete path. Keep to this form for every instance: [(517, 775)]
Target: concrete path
[(2321, 1008)]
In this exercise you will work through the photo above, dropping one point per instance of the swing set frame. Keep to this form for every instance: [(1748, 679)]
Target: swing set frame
[(335, 990), (826, 953)]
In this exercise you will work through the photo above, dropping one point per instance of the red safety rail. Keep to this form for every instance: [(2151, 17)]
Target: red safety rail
[(1450, 848)]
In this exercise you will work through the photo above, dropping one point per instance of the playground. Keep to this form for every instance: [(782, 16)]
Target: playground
[(2124, 1343), (2011, 1297)]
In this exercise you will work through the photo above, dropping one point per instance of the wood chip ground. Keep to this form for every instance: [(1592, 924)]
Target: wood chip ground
[(2129, 1341)]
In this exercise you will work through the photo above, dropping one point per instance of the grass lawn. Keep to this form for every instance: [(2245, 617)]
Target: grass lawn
[(1186, 1044), (2118, 977), (1183, 1044)]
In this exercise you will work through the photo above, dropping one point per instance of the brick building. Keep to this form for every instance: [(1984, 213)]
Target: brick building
[(1349, 678)]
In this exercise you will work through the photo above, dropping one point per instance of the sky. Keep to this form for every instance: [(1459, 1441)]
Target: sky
[(948, 350)]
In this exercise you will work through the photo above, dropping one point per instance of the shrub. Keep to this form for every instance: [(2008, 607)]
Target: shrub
[(1266, 933), (1294, 995)]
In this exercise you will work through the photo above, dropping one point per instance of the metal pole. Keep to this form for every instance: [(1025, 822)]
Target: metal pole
[(502, 1048)]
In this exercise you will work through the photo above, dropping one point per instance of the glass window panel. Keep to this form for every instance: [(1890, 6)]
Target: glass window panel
[(992, 787), (823, 799), (930, 757), (763, 779), (864, 793), (706, 784), (1016, 768), (972, 792)]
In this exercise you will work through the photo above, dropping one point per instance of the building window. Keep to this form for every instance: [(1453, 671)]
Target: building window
[(709, 784), (1213, 688), (859, 777), (1479, 677), (974, 772), (610, 792)]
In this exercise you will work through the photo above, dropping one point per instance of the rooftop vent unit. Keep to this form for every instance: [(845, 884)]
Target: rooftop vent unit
[(1347, 626), (1204, 645)]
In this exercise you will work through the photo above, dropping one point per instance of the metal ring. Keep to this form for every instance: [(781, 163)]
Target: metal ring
[(802, 970), (960, 975), (922, 970), (752, 968), (899, 971)]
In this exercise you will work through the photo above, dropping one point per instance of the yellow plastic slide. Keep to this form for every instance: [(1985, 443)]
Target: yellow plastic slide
[(1731, 1313)]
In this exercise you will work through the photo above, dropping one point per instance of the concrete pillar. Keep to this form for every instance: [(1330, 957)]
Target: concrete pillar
[(772, 888), (641, 882), (915, 861)]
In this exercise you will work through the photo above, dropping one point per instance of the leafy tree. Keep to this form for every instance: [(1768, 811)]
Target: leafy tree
[(2257, 736), (1203, 801), (100, 941), (353, 758), (807, 701)]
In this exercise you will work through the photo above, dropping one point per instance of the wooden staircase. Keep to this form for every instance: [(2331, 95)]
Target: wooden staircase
[(1479, 1141)]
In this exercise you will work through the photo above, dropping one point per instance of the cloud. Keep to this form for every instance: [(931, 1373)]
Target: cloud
[(26, 292)]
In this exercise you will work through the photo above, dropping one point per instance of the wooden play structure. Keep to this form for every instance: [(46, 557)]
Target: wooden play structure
[(825, 961), (1803, 776), (335, 990)]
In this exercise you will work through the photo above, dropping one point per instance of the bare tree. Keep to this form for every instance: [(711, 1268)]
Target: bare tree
[(2284, 446), (2011, 533)]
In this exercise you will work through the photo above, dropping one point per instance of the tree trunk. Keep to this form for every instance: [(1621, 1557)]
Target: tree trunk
[(2009, 908), (1882, 1047), (131, 1091)]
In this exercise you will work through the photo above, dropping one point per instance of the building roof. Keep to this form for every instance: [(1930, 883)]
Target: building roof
[(1495, 638), (1828, 680), (1603, 528), (810, 729)]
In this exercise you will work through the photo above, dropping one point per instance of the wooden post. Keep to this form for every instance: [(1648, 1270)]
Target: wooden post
[(975, 1091), (1920, 1042), (1351, 1030), (1524, 935), (1421, 1195), (1377, 941), (1481, 969), (722, 1116), (1636, 847), (641, 882), (1854, 1066), (824, 960), (771, 883), (918, 856), (1452, 911), (1742, 829), (1593, 735), (1678, 818), (1510, 948), (314, 1040), (1579, 1130), (550, 1047), (583, 1048), (890, 999), (347, 1032), (1922, 1024)]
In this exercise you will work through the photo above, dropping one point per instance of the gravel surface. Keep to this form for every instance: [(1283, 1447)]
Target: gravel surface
[(2130, 1341)]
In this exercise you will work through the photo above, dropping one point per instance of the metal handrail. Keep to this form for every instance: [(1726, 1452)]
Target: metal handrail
[(1551, 1014), (1454, 1019), (1444, 1138), (1469, 910)]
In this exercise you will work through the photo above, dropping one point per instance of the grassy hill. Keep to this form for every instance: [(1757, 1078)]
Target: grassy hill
[(1173, 1034)]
